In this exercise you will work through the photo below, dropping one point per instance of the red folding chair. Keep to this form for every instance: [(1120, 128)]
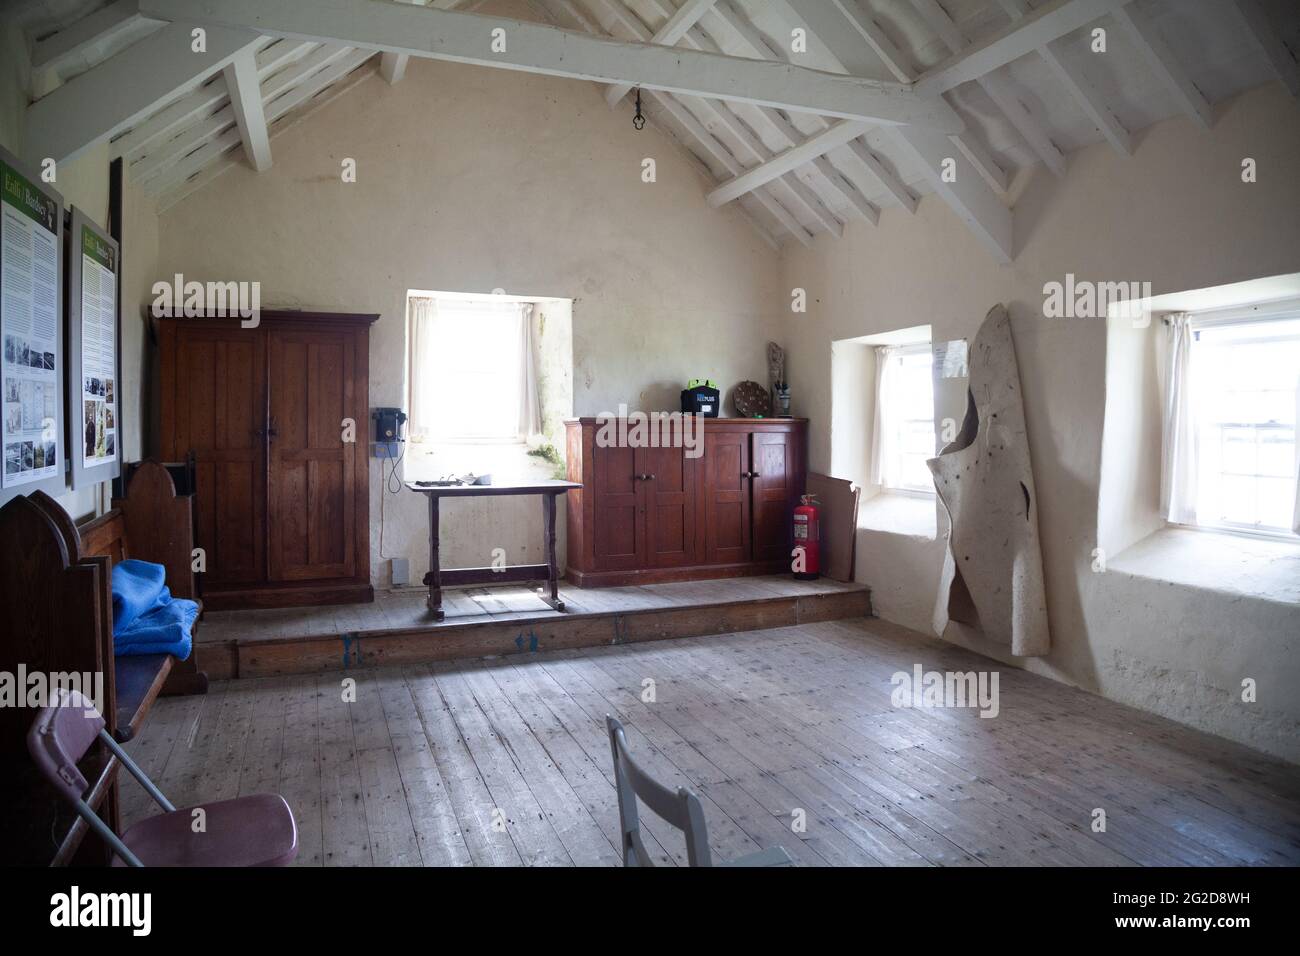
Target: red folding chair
[(248, 831)]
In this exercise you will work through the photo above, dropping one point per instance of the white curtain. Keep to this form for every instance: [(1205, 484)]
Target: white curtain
[(423, 357), (530, 411), (883, 437), (1178, 457)]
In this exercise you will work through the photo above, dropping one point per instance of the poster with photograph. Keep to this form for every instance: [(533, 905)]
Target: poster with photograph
[(94, 347), (30, 326)]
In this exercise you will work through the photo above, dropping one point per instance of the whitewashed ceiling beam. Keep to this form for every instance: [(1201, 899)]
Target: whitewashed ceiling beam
[(860, 46), (1268, 44), (1142, 33), (65, 47), (997, 86), (882, 176), (518, 45), (820, 170), (711, 145), (704, 141), (164, 153), (686, 16), (246, 104), (1079, 86), (127, 87), (195, 162), (141, 140), (1053, 19), (780, 164), (965, 193), (319, 100), (392, 66), (625, 20)]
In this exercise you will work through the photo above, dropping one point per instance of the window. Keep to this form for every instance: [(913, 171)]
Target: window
[(471, 375), (1245, 386), (904, 438)]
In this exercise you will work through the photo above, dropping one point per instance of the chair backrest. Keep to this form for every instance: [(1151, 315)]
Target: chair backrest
[(60, 736), (680, 808)]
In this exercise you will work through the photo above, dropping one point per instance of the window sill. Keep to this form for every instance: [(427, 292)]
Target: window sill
[(1231, 563), (910, 515)]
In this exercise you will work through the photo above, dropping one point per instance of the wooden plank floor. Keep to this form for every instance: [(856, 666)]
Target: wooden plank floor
[(406, 608), (506, 762)]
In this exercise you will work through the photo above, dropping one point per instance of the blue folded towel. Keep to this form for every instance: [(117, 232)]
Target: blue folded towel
[(137, 587), (163, 630), (146, 618)]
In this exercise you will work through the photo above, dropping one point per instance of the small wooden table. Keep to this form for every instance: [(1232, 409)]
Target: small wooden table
[(437, 578)]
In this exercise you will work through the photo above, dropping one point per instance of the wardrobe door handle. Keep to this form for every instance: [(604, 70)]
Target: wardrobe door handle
[(649, 477)]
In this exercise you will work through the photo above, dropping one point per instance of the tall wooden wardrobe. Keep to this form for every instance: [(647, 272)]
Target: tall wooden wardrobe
[(282, 499)]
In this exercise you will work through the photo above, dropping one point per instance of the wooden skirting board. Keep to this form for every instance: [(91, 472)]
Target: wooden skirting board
[(273, 656)]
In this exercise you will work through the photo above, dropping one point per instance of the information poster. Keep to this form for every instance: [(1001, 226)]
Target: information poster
[(30, 325), (94, 347)]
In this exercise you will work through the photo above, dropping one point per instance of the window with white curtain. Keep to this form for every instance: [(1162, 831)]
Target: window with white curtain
[(904, 428), (471, 370), (1243, 399)]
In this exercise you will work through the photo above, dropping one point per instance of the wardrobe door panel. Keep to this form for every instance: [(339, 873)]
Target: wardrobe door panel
[(312, 476), (219, 414)]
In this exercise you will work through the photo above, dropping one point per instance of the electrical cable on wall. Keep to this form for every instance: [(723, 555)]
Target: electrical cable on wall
[(392, 485)]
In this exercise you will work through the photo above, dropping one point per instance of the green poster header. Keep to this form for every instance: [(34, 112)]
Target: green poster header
[(96, 248), (21, 193)]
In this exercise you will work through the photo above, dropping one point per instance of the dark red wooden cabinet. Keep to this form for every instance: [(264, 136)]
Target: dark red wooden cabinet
[(281, 498), (648, 514)]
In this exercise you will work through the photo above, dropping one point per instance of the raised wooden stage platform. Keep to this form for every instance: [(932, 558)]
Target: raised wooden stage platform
[(398, 629)]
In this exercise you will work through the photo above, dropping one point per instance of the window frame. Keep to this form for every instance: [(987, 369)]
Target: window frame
[(902, 351), (1238, 317)]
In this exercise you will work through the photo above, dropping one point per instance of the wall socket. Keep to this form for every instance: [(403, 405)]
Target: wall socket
[(400, 569)]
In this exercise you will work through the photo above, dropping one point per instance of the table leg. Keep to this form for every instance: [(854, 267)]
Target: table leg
[(434, 577), (552, 565)]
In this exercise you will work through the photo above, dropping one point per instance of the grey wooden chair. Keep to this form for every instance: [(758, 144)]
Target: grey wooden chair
[(682, 809)]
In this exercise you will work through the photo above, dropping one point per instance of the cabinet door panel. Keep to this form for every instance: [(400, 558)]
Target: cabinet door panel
[(774, 494), (312, 476), (669, 507), (220, 413), (616, 520), (726, 491)]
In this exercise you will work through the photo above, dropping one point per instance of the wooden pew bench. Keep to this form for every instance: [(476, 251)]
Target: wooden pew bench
[(56, 584)]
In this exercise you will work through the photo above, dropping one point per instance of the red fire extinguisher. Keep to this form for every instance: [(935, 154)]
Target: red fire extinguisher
[(807, 539)]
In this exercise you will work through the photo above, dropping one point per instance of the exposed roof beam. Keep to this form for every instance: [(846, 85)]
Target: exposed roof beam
[(195, 162), (710, 144), (723, 115), (246, 103), (125, 88), (141, 140), (319, 99), (1053, 19), (814, 146), (1269, 44), (887, 180), (392, 66), (60, 49), (696, 130), (998, 88), (968, 196), (469, 38), (820, 170), (687, 15), (1079, 86), (880, 44), (1160, 58)]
